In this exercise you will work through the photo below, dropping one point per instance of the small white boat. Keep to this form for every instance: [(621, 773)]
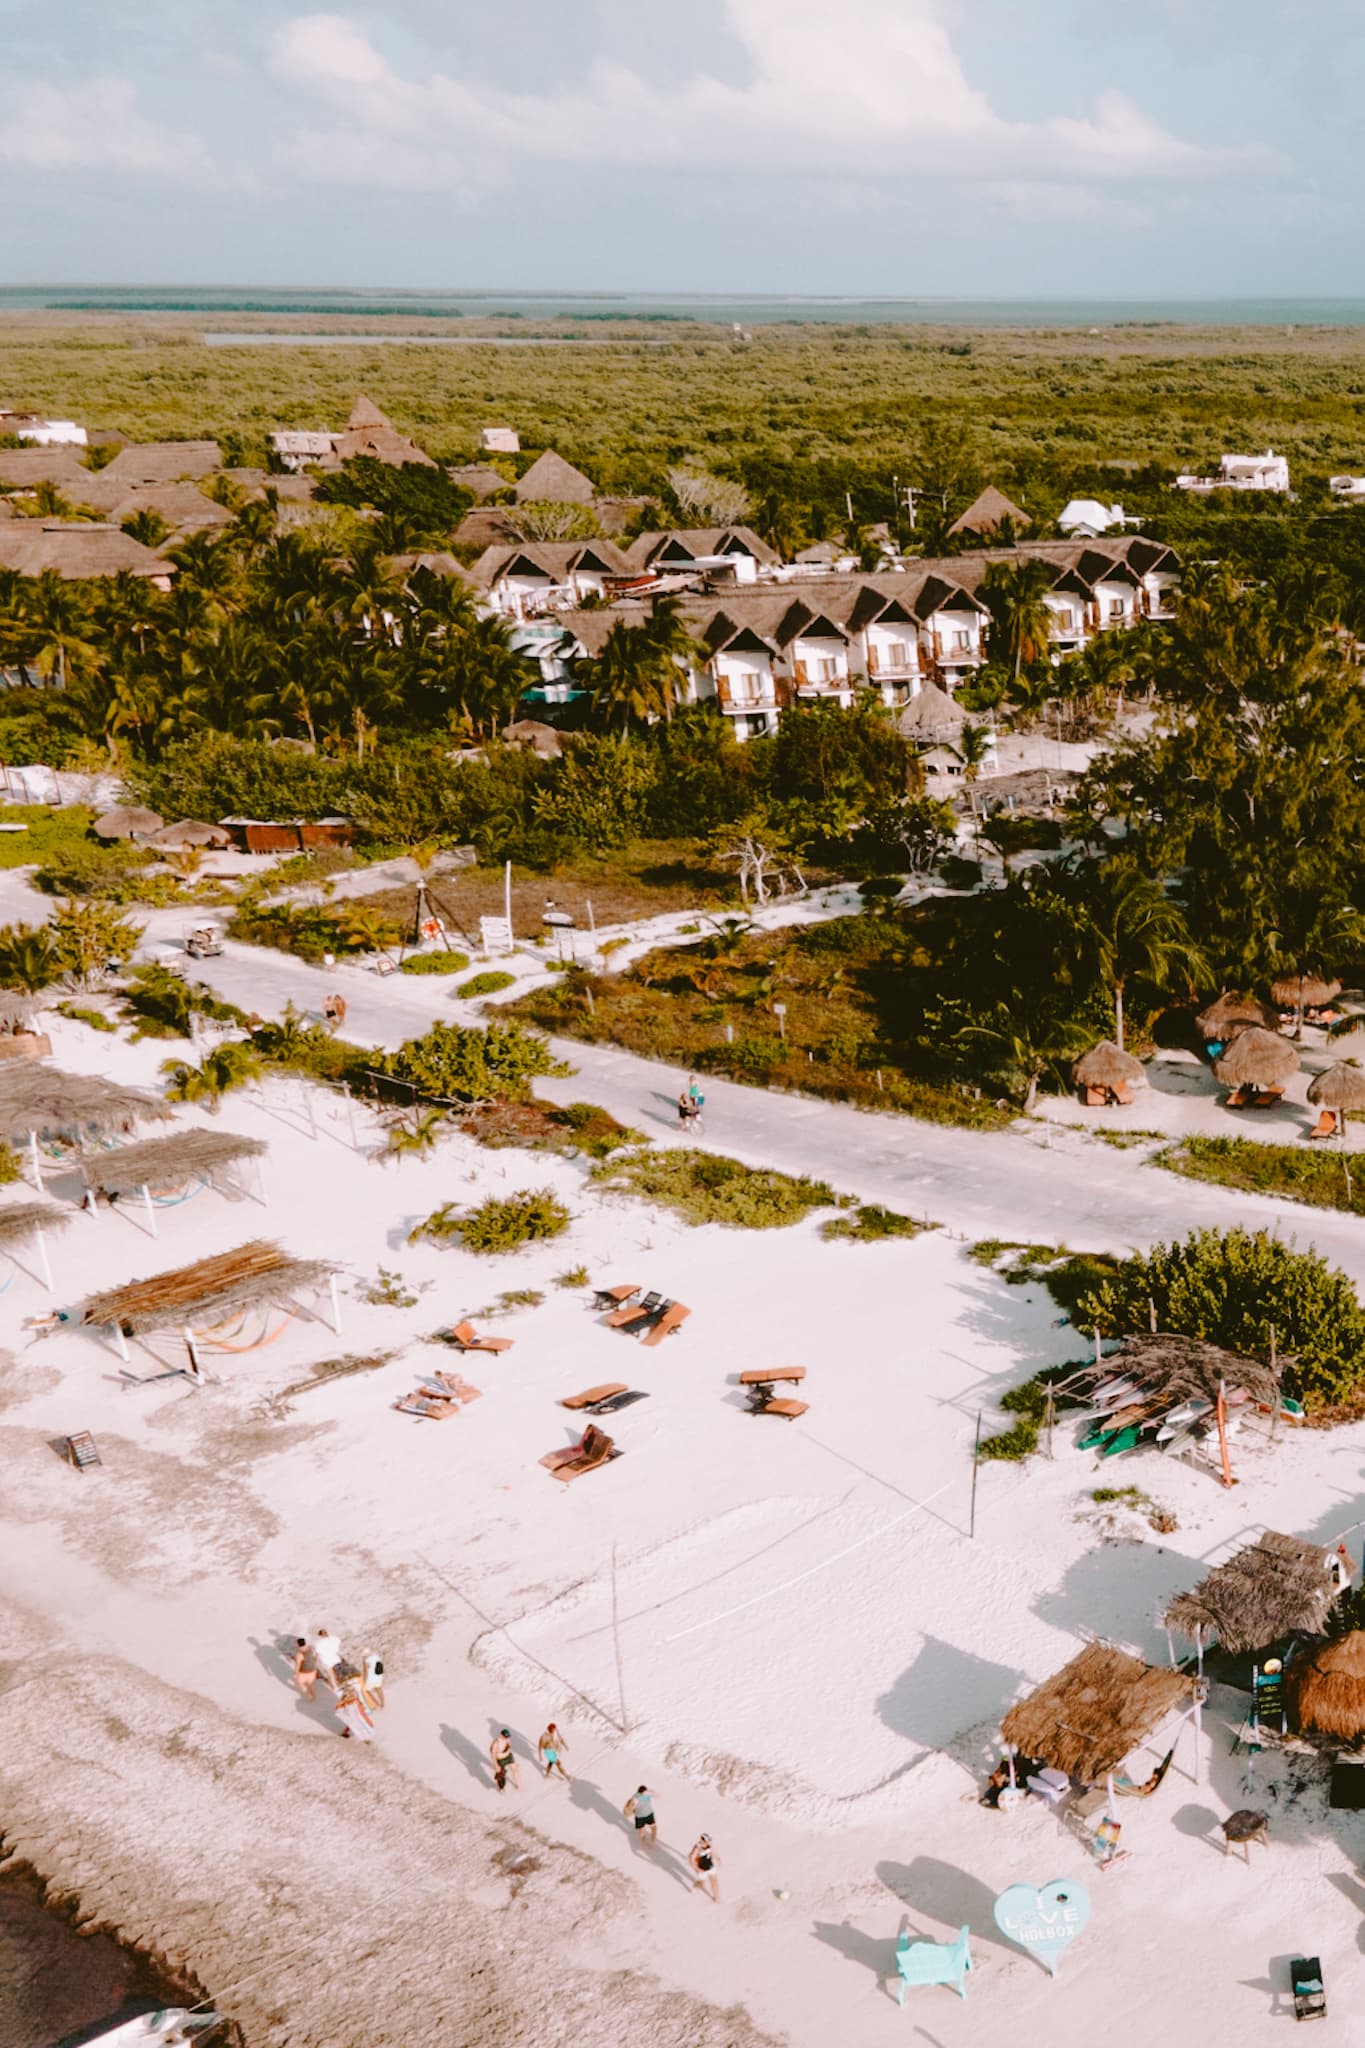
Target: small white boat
[(171, 2027)]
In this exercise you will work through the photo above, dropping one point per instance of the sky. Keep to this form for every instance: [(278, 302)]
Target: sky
[(969, 148)]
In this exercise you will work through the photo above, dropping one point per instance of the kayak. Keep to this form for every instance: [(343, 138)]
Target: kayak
[(171, 2027)]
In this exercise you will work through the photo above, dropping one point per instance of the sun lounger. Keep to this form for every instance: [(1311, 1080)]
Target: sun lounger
[(1122, 1095), (614, 1297), (451, 1386), (787, 1410), (1326, 1125), (465, 1338), (427, 1405), (673, 1317), (769, 1376), (1263, 1098), (1238, 1098), (593, 1448), (630, 1312), (593, 1395), (626, 1399), (82, 1450)]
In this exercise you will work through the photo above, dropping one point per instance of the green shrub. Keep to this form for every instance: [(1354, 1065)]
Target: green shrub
[(1012, 1445), (466, 1063), (501, 1224), (704, 1187), (513, 1298), (389, 1290), (441, 961), (96, 1019), (1324, 1179), (958, 872), (576, 1276), (486, 984), (10, 1167), (596, 1132), (757, 1055), (869, 1224), (1230, 1288), (162, 1004)]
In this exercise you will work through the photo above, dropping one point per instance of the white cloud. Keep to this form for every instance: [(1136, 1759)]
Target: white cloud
[(94, 125), (867, 87)]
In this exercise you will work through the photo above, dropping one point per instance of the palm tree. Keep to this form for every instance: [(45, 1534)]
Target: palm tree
[(639, 673), (1023, 1040), (1131, 927), (29, 960), (415, 1135), (146, 526), (972, 749), (1021, 623), (228, 1066)]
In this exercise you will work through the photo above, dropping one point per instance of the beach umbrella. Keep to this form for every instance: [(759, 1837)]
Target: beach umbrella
[(190, 832), (1232, 1013), (1304, 991), (1256, 1058), (128, 822), (1339, 1087), (1104, 1066), (1327, 1690)]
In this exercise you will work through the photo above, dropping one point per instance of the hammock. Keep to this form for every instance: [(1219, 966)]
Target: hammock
[(171, 1198), (216, 1340)]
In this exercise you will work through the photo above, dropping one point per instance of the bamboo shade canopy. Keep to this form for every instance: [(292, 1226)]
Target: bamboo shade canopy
[(251, 1276), (162, 1162), (1274, 1587), (60, 1105), (1088, 1717)]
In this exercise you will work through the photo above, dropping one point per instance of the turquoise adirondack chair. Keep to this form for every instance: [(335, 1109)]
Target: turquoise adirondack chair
[(933, 1962)]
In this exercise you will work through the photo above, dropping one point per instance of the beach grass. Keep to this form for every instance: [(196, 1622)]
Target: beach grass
[(1320, 1176)]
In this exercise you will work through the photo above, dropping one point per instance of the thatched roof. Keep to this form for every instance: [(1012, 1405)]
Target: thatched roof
[(183, 507), (541, 739), (32, 546), (365, 413), (128, 821), (1327, 1690), (163, 462), (60, 1105), (1256, 1058), (1173, 1369), (190, 832), (21, 1219), (930, 714), (988, 513), (1104, 1066), (1306, 989), (1088, 1717), (253, 1275), (552, 481), (1275, 1587), (1338, 1087), (165, 1162), (1232, 1010)]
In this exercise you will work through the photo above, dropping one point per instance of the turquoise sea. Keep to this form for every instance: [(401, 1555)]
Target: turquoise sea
[(217, 301)]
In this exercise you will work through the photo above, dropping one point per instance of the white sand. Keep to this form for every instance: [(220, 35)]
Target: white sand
[(813, 1657)]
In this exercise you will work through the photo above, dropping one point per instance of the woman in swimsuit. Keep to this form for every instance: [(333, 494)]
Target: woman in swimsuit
[(703, 1860)]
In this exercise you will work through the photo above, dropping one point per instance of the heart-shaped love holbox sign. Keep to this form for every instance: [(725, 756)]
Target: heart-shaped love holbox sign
[(1044, 1919)]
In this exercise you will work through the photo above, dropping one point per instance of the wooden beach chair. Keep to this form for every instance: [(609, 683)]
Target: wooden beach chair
[(614, 1297), (82, 1450), (673, 1317), (454, 1387), (1264, 1098), (427, 1406), (465, 1338), (1326, 1125), (1238, 1098), (591, 1395), (631, 1311), (773, 1375), (1121, 1096), (763, 1401), (593, 1448)]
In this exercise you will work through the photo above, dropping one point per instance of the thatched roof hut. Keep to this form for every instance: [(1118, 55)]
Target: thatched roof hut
[(190, 832), (1256, 1058), (166, 1162), (70, 1106), (1174, 1369), (1304, 991), (1326, 1691), (1232, 1013), (988, 512), (253, 1276), (1104, 1066), (1275, 1587), (128, 821), (20, 1219), (542, 740), (1093, 1713), (931, 714), (1338, 1087)]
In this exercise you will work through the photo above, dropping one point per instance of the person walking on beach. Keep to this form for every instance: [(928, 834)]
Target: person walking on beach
[(304, 1669), (372, 1681), (704, 1862), (355, 1717), (327, 1655), (504, 1763), (550, 1750), (640, 1808)]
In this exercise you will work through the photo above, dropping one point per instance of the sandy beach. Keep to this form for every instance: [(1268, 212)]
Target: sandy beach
[(785, 1630)]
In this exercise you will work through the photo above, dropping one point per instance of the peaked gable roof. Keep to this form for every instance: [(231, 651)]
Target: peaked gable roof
[(552, 481), (988, 512), (366, 414)]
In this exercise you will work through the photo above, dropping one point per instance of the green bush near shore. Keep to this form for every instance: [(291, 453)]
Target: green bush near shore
[(705, 1187), (1324, 1176), (487, 984), (501, 1224), (869, 1223), (440, 962)]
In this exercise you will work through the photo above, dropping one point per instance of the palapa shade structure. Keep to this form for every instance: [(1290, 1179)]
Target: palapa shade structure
[(1256, 1058), (1339, 1087), (128, 822), (1275, 1587), (255, 1275), (1186, 1368), (1095, 1711), (1104, 1066), (189, 832), (163, 1162), (19, 1220), (1326, 1691), (1304, 991), (1232, 1013), (59, 1105)]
